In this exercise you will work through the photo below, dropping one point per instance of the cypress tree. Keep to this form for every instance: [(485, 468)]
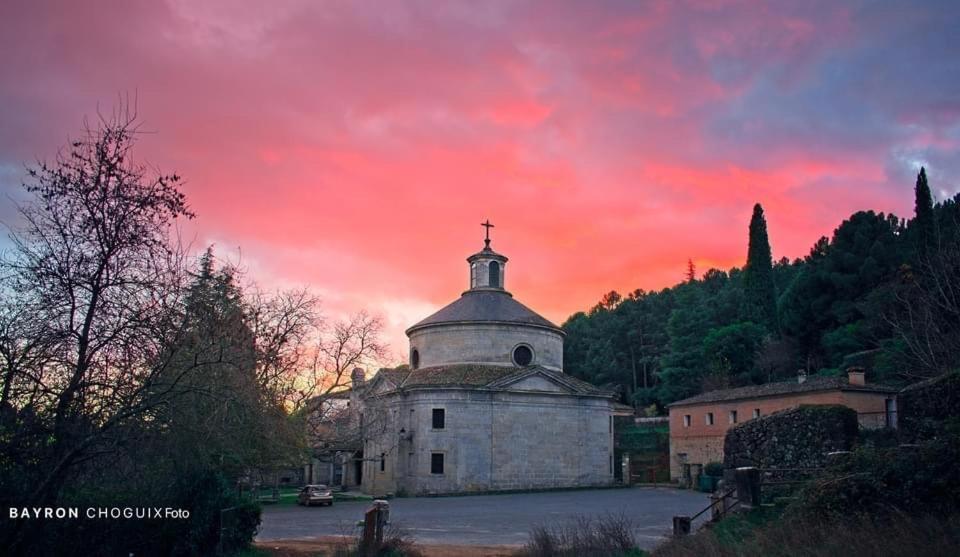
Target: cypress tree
[(923, 213), (760, 297)]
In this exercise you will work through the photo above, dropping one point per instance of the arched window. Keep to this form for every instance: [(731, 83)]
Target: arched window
[(494, 274), (414, 358)]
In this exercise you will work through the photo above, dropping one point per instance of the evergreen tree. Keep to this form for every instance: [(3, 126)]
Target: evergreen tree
[(221, 417), (682, 366), (922, 224), (691, 271), (760, 297)]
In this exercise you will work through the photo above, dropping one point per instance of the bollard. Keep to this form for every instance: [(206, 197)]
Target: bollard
[(716, 509), (681, 526), (383, 517)]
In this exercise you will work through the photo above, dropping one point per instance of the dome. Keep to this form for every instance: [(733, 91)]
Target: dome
[(486, 325), (485, 306)]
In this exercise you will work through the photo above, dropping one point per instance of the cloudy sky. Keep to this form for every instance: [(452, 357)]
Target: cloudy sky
[(355, 147)]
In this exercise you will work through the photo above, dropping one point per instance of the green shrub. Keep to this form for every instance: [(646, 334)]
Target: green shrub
[(714, 469), (204, 494), (923, 478), (856, 536)]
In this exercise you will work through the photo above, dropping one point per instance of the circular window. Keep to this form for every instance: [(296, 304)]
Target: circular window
[(414, 358), (522, 355)]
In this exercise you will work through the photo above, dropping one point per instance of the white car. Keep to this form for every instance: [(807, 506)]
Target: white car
[(315, 494)]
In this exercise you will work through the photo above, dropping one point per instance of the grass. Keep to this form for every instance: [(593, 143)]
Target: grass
[(253, 552), (606, 536)]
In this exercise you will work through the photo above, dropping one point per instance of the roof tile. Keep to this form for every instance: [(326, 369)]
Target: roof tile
[(781, 388)]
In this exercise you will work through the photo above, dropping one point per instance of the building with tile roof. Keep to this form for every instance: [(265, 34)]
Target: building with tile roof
[(483, 403), (699, 424)]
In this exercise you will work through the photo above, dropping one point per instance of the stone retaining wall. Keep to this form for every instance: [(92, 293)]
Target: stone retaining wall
[(796, 438), (924, 407)]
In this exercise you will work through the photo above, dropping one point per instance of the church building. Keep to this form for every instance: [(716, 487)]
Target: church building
[(484, 404)]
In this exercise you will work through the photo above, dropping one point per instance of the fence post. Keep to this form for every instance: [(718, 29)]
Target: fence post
[(625, 469), (374, 522), (368, 540), (748, 487)]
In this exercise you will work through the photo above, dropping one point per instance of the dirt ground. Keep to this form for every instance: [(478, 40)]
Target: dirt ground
[(326, 545)]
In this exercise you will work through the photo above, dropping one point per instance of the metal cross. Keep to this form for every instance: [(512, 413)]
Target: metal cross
[(488, 226)]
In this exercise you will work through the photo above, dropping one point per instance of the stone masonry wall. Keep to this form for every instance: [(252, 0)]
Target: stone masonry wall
[(700, 443), (924, 407), (487, 344), (796, 438), (493, 441)]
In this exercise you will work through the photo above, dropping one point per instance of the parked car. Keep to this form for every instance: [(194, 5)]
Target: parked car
[(315, 495)]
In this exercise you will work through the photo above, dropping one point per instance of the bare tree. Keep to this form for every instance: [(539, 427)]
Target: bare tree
[(92, 289), (287, 327), (332, 423), (349, 343), (926, 313)]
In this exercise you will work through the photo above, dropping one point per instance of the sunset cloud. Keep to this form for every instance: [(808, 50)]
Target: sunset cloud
[(355, 147)]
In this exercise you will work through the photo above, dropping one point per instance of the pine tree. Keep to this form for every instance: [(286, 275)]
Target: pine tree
[(923, 213), (691, 271), (760, 297)]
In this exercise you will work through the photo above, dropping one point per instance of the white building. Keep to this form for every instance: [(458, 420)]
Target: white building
[(484, 404)]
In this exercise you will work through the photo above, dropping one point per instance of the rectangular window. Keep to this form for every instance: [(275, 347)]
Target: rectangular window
[(756, 412), (709, 418), (439, 418), (686, 421), (436, 463), (733, 416), (383, 461)]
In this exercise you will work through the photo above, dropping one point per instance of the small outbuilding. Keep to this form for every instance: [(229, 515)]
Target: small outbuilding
[(698, 425)]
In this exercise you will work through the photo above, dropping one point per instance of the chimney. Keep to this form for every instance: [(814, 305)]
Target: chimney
[(801, 376), (357, 377), (856, 376)]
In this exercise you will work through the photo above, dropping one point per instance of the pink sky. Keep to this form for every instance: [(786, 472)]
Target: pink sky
[(354, 148)]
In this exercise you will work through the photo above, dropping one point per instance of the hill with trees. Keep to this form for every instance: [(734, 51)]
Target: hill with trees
[(882, 292)]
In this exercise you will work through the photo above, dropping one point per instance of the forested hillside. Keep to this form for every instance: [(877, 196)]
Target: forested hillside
[(882, 292)]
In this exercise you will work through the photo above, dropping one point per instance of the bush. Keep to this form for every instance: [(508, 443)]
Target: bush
[(397, 542), (714, 469), (920, 479), (203, 494), (858, 536), (607, 536), (926, 405), (880, 501)]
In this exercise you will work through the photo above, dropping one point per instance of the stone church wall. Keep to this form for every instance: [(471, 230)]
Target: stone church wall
[(543, 443), (486, 343), (492, 441)]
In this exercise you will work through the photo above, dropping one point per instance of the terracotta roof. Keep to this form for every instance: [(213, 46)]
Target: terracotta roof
[(475, 375), (492, 306), (782, 388)]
